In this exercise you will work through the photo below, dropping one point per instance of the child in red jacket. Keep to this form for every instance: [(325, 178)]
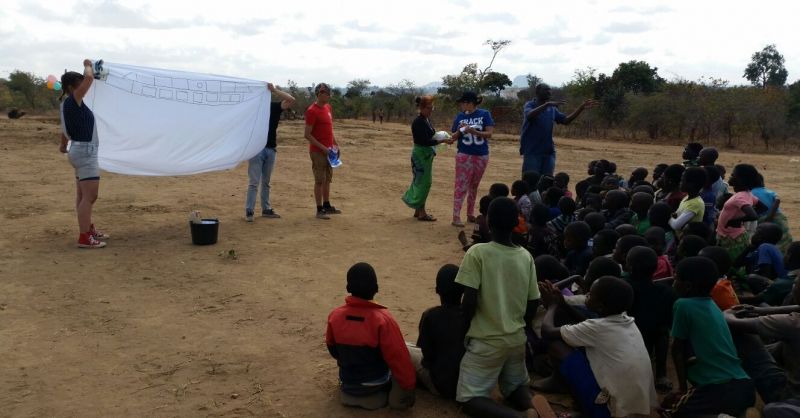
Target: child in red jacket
[(375, 368)]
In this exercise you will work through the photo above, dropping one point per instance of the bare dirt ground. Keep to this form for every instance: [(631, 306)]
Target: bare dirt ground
[(154, 326)]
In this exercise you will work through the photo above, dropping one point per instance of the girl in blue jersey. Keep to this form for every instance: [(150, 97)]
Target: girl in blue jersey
[(471, 129)]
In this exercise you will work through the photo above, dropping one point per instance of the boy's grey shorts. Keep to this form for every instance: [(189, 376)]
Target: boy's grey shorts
[(83, 156)]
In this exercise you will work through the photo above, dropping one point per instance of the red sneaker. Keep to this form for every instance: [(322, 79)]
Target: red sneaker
[(87, 240), (97, 234)]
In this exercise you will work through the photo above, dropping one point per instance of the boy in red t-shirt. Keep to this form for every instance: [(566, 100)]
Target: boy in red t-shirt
[(319, 133)]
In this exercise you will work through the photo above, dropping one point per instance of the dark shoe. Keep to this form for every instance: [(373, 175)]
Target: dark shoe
[(248, 216), (269, 213), (322, 215), (330, 210)]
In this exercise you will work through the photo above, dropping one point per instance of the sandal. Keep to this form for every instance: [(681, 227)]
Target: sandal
[(427, 218)]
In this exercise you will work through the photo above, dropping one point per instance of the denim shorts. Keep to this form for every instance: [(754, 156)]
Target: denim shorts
[(83, 156)]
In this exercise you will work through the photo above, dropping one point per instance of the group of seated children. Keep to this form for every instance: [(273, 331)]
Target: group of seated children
[(619, 272)]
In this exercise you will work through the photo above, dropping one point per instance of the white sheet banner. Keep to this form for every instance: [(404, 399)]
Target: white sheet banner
[(162, 123)]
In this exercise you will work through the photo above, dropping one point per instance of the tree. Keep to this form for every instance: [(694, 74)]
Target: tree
[(496, 46), (25, 84), (794, 103), (637, 77), (357, 87), (766, 68), (454, 85), (495, 82)]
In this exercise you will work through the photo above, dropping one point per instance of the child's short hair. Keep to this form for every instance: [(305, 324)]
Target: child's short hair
[(483, 204), (362, 282), (446, 285), (579, 232), (566, 205), (656, 238), (699, 229), (690, 246), (712, 175), (694, 179), (519, 188), (595, 220), (549, 268), (614, 294), (638, 173), (532, 178), (641, 202), (709, 155), (692, 150), (701, 272), (602, 167), (641, 262), (540, 214), (561, 179), (659, 214), (604, 241), (769, 232), (545, 182), (791, 260), (721, 169), (599, 267), (503, 214), (616, 199), (644, 188), (658, 170), (552, 195), (720, 256), (746, 176), (626, 229), (498, 190), (673, 174), (624, 244)]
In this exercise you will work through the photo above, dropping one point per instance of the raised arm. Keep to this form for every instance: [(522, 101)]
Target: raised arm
[(88, 79), (587, 104), (536, 111), (286, 99)]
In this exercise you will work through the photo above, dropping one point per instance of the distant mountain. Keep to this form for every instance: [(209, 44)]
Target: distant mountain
[(431, 87), (520, 81)]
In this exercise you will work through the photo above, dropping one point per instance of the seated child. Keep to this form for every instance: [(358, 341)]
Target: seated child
[(599, 267), (709, 196), (692, 208), (519, 189), (670, 187), (719, 384), (691, 153), (646, 188), (690, 246), (699, 229), (723, 293), (603, 243), (769, 211), (542, 240), (656, 239), (624, 244), (480, 233), (596, 221), (440, 345), (768, 279), (576, 243), (561, 180), (612, 344), (659, 215), (731, 232), (498, 190), (532, 178), (551, 198), (651, 308), (374, 365), (774, 370), (640, 204), (549, 269), (567, 208), (581, 186), (658, 172), (639, 174), (625, 229), (615, 209), (499, 281)]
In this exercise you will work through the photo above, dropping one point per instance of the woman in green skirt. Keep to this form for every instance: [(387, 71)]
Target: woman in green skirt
[(422, 159)]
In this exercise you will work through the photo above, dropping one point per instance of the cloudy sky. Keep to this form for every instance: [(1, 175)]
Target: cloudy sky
[(387, 41)]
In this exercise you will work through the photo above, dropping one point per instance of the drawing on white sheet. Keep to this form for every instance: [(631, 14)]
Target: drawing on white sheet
[(201, 92)]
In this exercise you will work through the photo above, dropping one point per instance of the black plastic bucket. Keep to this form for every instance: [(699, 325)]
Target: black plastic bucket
[(205, 232)]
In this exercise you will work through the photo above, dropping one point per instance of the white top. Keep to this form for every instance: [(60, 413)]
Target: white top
[(619, 361)]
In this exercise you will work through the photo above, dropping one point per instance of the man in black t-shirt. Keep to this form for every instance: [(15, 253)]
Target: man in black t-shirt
[(260, 167)]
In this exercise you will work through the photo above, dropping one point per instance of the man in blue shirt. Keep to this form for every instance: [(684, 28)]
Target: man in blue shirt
[(536, 140)]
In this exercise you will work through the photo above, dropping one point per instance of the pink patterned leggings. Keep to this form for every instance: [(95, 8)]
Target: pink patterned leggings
[(469, 171)]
